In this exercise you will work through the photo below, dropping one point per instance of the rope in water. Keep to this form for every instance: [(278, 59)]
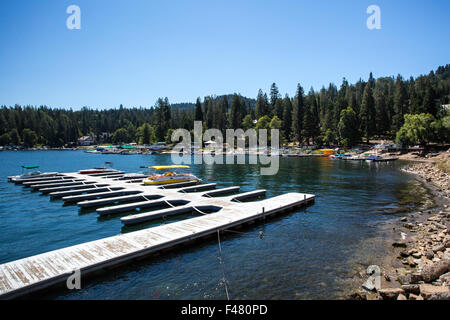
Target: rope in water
[(224, 279)]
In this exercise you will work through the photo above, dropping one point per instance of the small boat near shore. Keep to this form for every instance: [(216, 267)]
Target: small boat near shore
[(169, 177), (376, 158)]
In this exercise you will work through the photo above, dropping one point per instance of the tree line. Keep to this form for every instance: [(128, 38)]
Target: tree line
[(386, 107)]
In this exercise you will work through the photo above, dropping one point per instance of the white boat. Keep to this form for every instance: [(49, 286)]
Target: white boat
[(170, 176), (35, 173)]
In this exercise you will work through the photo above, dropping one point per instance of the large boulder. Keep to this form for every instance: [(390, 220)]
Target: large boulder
[(411, 289), (430, 292), (410, 278), (390, 293), (433, 271)]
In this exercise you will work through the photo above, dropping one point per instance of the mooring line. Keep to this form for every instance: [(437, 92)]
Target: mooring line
[(199, 211), (167, 202), (224, 279)]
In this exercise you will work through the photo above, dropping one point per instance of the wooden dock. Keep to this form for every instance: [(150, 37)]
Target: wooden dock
[(38, 272)]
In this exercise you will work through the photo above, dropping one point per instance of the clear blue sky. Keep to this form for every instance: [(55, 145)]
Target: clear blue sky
[(132, 52)]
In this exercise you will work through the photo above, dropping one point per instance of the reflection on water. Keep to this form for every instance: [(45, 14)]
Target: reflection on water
[(310, 254)]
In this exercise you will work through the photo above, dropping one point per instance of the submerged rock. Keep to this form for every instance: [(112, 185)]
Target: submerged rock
[(399, 244)]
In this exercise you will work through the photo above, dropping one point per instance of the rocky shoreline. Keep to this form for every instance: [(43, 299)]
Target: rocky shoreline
[(420, 266)]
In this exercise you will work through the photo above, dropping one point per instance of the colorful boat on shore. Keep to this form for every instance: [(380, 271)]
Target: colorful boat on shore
[(170, 176)]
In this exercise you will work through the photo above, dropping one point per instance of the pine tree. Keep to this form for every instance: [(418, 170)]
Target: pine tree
[(367, 113), (261, 105), (198, 110), (287, 117), (400, 103), (274, 97), (429, 105), (381, 116), (298, 109), (235, 112), (348, 128), (311, 125)]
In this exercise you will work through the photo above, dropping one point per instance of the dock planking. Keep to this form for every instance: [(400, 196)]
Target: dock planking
[(41, 271)]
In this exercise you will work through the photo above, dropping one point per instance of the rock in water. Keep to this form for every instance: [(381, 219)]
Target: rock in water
[(399, 244)]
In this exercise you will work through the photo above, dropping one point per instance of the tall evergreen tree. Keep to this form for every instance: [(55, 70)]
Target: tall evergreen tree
[(235, 112), (274, 96), (287, 117), (262, 105), (400, 103), (198, 110), (367, 113), (348, 128), (298, 110)]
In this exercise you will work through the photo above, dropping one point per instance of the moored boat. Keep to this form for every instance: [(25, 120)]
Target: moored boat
[(169, 177), (33, 172), (99, 170)]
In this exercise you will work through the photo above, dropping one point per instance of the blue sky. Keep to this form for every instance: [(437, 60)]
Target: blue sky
[(132, 52)]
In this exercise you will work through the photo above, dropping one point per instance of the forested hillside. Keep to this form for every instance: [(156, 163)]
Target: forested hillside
[(343, 115)]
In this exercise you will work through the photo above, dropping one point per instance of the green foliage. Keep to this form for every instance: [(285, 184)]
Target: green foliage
[(349, 133), (5, 139), (379, 105), (198, 110), (329, 138), (275, 123), (367, 113), (146, 134), (168, 139), (29, 138), (417, 129), (298, 110), (247, 122), (120, 136), (15, 138), (263, 123)]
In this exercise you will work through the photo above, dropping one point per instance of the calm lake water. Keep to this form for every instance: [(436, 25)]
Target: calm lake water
[(313, 253)]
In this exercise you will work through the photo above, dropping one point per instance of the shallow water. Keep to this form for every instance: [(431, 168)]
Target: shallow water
[(310, 254)]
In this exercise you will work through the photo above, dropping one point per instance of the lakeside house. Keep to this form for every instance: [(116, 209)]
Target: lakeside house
[(87, 140)]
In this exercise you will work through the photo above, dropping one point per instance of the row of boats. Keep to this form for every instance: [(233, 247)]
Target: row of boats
[(150, 176), (362, 157)]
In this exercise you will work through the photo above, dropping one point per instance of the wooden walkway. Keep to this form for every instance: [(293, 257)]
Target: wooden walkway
[(41, 271)]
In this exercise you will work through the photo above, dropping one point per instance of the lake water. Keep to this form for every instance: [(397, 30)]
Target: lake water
[(314, 253)]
